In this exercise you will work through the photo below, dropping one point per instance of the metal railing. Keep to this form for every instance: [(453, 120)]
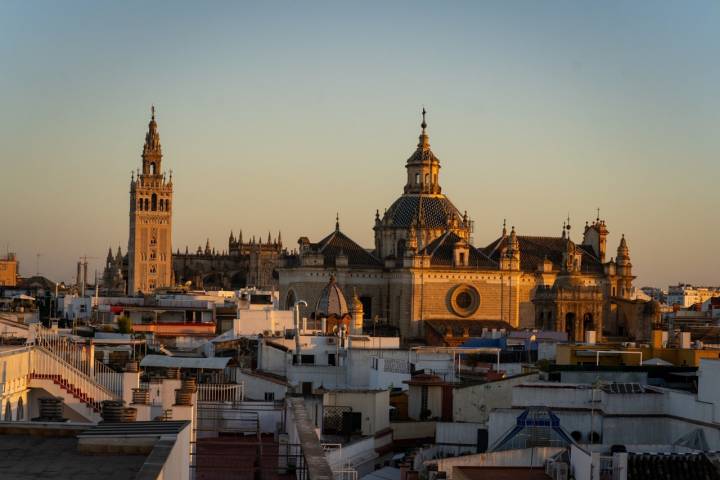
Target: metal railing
[(76, 361), (221, 392)]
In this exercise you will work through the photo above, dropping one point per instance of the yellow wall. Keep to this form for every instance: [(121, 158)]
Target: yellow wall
[(8, 273), (566, 355)]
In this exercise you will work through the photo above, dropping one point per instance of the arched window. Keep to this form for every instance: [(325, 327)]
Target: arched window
[(139, 206), (167, 205), (427, 178), (8, 411), (290, 302), (400, 248), (152, 168), (435, 179), (154, 202), (146, 204), (417, 179), (20, 412), (162, 205)]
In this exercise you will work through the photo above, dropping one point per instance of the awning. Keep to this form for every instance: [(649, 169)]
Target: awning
[(163, 361), (24, 297)]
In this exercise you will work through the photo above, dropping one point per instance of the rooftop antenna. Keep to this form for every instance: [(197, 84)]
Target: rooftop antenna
[(37, 264)]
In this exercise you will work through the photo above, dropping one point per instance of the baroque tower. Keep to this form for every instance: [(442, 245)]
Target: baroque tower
[(150, 242)]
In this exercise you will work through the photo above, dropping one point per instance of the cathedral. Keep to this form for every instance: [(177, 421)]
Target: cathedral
[(252, 263), (424, 270), (150, 265)]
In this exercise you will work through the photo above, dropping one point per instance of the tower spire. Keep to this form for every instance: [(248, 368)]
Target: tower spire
[(337, 221)]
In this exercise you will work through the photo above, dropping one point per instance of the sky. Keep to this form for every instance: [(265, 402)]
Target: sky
[(276, 115)]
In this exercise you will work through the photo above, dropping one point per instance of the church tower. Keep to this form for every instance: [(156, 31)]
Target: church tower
[(150, 242)]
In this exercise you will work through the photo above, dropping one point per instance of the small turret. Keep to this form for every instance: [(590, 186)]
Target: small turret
[(356, 312), (510, 254)]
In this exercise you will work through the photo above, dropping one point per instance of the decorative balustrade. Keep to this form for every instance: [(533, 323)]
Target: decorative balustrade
[(221, 392)]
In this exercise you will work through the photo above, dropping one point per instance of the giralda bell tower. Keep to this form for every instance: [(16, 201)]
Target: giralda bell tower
[(151, 201)]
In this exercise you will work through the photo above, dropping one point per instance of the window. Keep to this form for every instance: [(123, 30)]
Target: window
[(331, 359), (269, 396), (152, 169), (154, 202), (417, 179), (146, 204), (462, 258), (427, 178)]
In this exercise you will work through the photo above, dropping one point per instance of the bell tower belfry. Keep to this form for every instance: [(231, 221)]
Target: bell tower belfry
[(151, 201)]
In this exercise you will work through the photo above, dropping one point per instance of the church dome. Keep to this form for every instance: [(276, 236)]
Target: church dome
[(437, 212), (331, 302)]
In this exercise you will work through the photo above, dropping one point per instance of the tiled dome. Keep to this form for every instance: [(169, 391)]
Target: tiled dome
[(436, 211), (331, 302)]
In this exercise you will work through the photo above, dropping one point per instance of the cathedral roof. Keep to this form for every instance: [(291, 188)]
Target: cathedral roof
[(332, 301), (534, 250), (437, 210), (441, 252), (337, 243)]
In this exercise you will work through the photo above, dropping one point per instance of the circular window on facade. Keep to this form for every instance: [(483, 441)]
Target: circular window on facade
[(464, 300)]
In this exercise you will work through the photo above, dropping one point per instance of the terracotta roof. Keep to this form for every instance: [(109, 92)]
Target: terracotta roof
[(338, 243), (534, 250), (436, 210), (441, 252)]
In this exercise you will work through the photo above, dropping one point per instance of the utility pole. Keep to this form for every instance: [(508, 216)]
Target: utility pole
[(37, 264)]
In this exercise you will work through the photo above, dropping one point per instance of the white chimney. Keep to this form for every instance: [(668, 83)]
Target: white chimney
[(684, 339)]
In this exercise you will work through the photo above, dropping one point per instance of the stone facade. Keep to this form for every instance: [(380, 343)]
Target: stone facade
[(151, 203), (243, 264), (424, 268)]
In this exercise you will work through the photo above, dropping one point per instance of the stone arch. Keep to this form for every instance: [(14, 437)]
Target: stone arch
[(570, 318), (290, 299), (213, 279), (154, 202), (20, 410), (147, 205), (238, 280), (400, 248), (588, 322), (152, 168), (8, 411)]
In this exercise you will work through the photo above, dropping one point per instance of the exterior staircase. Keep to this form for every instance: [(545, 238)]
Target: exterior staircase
[(67, 369)]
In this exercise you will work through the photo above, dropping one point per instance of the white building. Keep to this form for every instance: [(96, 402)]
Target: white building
[(623, 414), (688, 295)]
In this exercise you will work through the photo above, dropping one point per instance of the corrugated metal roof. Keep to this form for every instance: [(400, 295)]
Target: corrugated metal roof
[(214, 363)]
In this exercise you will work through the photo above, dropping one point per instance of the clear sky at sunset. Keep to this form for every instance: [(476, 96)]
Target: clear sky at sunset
[(275, 116)]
